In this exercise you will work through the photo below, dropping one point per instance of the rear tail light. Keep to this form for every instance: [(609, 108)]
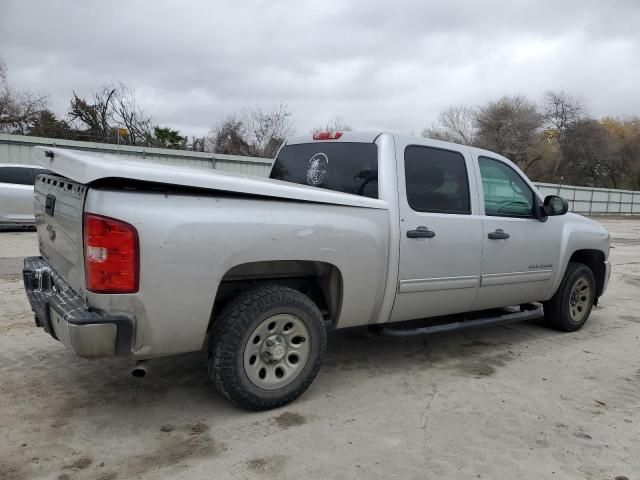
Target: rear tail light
[(111, 260), (327, 135)]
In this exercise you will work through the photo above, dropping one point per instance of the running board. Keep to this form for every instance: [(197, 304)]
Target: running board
[(529, 311)]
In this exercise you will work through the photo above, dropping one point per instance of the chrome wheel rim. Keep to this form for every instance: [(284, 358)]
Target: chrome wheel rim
[(277, 351), (579, 299)]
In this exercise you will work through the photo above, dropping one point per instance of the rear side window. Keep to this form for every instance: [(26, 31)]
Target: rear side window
[(341, 166), (436, 180), (16, 175)]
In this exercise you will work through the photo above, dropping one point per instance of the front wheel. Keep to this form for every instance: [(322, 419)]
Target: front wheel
[(266, 347), (570, 306)]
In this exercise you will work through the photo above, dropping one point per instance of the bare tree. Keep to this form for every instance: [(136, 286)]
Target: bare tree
[(197, 144), (336, 124), (255, 132), (229, 137), (3, 71), (455, 124), (562, 111), (111, 108), (511, 127), (93, 117), (267, 130), (126, 114), (587, 151), (18, 109)]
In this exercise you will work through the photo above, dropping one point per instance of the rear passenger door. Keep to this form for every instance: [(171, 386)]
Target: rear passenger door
[(440, 232)]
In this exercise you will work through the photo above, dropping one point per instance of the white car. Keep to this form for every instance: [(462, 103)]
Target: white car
[(16, 193)]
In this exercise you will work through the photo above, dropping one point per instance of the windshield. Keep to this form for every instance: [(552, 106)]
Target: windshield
[(342, 166)]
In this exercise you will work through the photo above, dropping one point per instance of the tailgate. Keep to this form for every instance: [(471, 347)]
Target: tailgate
[(58, 206)]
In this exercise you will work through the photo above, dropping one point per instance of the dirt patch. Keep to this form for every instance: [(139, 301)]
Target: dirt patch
[(79, 464), (478, 343), (630, 318), (289, 419), (271, 465), (107, 476), (625, 241), (11, 268), (476, 369), (192, 441), (484, 367), (632, 280), (198, 428), (11, 277)]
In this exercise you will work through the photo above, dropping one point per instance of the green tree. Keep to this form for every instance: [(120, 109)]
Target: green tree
[(166, 137), (46, 124)]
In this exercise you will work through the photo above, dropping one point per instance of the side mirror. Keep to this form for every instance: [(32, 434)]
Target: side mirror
[(555, 205)]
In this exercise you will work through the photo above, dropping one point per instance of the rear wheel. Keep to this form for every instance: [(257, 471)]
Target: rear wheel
[(266, 347), (570, 306)]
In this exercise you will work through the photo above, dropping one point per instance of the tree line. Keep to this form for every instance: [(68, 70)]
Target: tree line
[(554, 141)]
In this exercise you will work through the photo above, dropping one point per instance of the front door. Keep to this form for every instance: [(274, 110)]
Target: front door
[(519, 253), (440, 231)]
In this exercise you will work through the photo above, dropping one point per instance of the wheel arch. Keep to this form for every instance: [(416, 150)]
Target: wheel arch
[(321, 281), (594, 259)]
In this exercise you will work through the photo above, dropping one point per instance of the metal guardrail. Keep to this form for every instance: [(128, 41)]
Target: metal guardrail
[(17, 149), (595, 201)]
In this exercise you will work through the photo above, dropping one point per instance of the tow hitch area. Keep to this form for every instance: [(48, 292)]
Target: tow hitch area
[(67, 318)]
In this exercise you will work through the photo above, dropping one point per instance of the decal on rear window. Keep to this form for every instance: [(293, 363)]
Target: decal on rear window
[(317, 169), (341, 166)]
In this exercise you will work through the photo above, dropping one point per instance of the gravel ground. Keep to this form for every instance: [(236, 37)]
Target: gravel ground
[(507, 402)]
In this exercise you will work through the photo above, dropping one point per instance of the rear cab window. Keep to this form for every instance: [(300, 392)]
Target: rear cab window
[(346, 167)]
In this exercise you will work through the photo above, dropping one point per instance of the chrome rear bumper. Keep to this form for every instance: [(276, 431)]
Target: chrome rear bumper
[(66, 317)]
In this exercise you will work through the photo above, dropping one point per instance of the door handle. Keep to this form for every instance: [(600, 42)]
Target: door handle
[(421, 232), (499, 234)]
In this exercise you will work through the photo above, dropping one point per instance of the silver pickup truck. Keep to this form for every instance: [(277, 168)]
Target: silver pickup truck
[(150, 260)]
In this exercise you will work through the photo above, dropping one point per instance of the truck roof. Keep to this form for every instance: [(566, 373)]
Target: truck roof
[(347, 136), (371, 136)]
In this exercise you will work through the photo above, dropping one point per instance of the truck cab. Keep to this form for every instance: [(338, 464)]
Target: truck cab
[(468, 230)]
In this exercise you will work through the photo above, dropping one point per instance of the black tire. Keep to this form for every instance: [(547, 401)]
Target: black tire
[(230, 336), (557, 309)]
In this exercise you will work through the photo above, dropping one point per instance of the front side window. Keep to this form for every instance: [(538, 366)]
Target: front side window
[(506, 194), (436, 180)]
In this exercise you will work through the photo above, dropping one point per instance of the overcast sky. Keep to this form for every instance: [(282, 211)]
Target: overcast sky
[(389, 65)]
